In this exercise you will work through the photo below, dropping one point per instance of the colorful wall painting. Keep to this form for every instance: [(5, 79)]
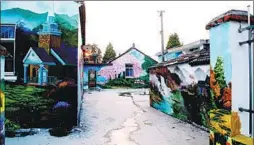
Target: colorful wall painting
[(178, 90), (140, 62), (50, 30), (229, 80)]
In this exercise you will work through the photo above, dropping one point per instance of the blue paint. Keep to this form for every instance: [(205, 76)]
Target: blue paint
[(99, 79), (169, 56), (164, 106), (137, 54), (219, 46), (32, 58)]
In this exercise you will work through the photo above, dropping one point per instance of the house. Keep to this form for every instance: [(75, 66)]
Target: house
[(8, 38), (172, 53), (51, 60), (131, 64)]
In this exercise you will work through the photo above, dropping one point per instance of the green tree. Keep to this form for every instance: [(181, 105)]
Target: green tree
[(219, 72), (173, 41), (109, 53)]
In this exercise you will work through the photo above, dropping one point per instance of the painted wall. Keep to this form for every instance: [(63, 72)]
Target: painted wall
[(99, 79), (169, 56), (182, 91), (140, 64), (229, 85), (2, 99), (104, 73)]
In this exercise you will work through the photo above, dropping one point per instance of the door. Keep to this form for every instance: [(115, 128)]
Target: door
[(91, 78), (45, 76)]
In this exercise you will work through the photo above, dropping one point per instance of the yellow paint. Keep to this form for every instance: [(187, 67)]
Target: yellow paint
[(226, 119), (236, 124), (244, 139), (3, 101)]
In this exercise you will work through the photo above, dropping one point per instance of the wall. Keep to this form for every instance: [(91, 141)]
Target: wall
[(99, 79), (229, 85), (169, 56), (106, 72), (140, 64), (2, 100), (182, 91)]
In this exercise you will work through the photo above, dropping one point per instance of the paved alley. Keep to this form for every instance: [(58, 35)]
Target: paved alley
[(121, 117)]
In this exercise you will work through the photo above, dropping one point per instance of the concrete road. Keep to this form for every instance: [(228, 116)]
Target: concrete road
[(110, 119)]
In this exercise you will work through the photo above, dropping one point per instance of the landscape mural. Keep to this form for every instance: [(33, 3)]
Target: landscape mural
[(114, 74), (182, 91), (42, 91)]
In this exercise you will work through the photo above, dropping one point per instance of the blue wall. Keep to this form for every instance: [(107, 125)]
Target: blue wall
[(169, 56)]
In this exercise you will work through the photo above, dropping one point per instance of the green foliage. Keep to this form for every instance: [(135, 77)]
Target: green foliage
[(11, 126), (69, 36), (109, 53), (121, 82), (173, 41), (24, 104), (219, 73)]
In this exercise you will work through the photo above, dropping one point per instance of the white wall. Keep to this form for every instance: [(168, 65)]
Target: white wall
[(240, 73), (80, 70)]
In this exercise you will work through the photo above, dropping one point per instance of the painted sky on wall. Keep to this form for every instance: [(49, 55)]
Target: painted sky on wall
[(42, 6), (219, 42)]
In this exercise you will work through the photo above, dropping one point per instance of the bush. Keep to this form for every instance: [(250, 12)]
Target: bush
[(62, 119), (11, 128), (127, 82)]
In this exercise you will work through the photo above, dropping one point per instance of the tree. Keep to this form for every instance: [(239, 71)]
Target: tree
[(219, 73), (173, 41), (109, 53)]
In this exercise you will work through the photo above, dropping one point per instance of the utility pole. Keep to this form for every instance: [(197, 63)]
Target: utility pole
[(162, 35)]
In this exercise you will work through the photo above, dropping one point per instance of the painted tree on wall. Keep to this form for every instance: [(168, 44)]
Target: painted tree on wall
[(173, 41), (148, 62), (219, 73), (109, 53)]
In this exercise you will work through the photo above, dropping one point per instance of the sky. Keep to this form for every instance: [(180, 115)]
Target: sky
[(126, 22)]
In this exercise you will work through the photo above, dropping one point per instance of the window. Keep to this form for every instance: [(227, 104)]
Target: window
[(129, 70), (7, 32)]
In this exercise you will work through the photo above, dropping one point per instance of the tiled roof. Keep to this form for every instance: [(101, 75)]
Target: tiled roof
[(231, 15), (44, 56), (195, 58)]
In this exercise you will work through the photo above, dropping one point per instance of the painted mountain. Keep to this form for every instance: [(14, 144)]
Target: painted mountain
[(32, 19), (30, 22)]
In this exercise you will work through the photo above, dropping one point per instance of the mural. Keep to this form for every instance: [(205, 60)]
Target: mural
[(43, 64), (177, 91), (228, 124), (2, 107), (117, 68)]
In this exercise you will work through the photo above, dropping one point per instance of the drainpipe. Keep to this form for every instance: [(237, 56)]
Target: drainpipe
[(250, 73)]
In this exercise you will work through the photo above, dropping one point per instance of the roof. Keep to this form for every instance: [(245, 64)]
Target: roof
[(67, 54), (196, 58), (129, 51), (43, 55), (3, 51), (231, 15), (185, 47)]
